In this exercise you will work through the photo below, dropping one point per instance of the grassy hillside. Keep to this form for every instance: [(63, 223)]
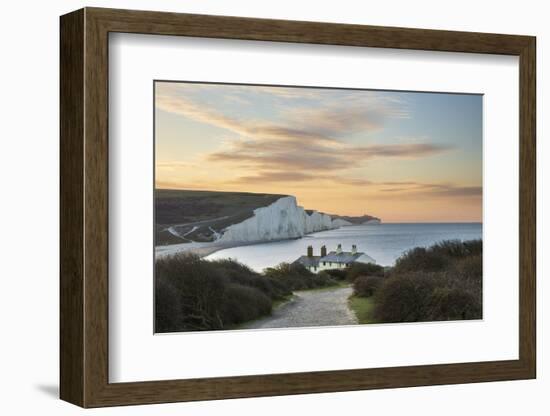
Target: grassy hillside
[(183, 216)]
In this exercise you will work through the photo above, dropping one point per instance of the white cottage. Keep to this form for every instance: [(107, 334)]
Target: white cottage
[(334, 260)]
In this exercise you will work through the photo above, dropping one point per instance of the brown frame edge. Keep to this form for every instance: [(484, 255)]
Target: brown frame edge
[(84, 207)]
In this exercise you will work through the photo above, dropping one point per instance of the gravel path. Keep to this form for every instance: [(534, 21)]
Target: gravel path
[(311, 308)]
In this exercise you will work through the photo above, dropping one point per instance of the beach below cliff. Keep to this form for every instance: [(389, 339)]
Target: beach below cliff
[(205, 249)]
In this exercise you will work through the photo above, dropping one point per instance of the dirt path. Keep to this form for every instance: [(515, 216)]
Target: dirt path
[(311, 308)]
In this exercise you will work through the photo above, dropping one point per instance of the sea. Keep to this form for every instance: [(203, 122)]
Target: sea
[(384, 242)]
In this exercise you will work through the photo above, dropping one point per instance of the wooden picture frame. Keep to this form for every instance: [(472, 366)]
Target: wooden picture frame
[(84, 207)]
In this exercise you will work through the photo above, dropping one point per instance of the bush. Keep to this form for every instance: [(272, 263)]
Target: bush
[(244, 275), (441, 282), (296, 277), (198, 287), (366, 286), (424, 297), (323, 279), (468, 270), (437, 257), (363, 269), (405, 298), (454, 304), (196, 294), (337, 274), (466, 275), (420, 259), (167, 307), (244, 303)]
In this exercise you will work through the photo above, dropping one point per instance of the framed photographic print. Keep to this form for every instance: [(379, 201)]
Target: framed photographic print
[(255, 207)]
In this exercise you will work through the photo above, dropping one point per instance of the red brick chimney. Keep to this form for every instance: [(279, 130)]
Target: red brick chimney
[(310, 251), (323, 251)]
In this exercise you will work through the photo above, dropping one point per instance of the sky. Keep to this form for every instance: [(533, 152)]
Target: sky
[(399, 156)]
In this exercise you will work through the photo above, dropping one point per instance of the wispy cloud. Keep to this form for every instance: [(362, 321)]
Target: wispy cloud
[(186, 107), (290, 176), (332, 115), (418, 189), (251, 128), (271, 177), (405, 189), (298, 155), (173, 164)]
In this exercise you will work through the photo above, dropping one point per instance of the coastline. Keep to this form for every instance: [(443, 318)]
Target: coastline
[(206, 249)]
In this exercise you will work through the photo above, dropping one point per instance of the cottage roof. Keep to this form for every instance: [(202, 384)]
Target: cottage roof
[(345, 257), (308, 261)]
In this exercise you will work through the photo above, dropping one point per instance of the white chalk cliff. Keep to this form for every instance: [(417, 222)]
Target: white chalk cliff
[(282, 219)]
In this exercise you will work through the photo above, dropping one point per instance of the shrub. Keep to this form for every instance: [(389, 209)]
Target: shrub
[(450, 248), (405, 298), (454, 303), (420, 259), (323, 279), (196, 294), (425, 297), (198, 286), (466, 275), (337, 274), (366, 286), (167, 307), (244, 275), (363, 269), (438, 256), (441, 282), (244, 303), (474, 247), (296, 277), (469, 269)]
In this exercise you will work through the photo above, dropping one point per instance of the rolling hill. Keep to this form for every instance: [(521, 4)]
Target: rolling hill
[(183, 216)]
